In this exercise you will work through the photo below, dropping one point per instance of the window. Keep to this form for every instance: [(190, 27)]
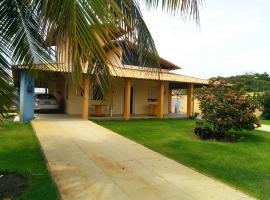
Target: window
[(136, 58), (97, 93), (152, 94)]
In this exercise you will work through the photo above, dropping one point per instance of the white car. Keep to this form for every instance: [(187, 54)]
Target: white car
[(45, 102)]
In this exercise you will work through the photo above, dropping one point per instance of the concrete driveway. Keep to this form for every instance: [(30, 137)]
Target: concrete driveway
[(91, 162), (264, 127)]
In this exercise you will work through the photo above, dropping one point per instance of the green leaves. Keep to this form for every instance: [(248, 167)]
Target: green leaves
[(227, 107), (21, 33), (253, 82), (7, 96), (21, 42), (82, 29)]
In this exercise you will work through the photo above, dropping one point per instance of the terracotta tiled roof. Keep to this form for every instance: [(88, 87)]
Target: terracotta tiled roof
[(128, 72), (155, 75)]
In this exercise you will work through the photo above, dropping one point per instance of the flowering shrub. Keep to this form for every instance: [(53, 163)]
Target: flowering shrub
[(225, 107)]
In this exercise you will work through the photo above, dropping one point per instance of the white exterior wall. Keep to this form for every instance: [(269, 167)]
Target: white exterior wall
[(73, 100), (115, 100), (141, 104)]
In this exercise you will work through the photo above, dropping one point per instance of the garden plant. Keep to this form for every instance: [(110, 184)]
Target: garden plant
[(225, 107)]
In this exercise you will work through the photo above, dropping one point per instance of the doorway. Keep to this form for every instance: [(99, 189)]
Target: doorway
[(132, 101)]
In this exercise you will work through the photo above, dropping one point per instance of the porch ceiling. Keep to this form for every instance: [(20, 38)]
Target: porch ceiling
[(42, 78)]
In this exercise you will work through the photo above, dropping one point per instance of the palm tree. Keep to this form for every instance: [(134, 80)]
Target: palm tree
[(28, 29)]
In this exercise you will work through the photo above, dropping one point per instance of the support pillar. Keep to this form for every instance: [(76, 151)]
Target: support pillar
[(190, 99), (170, 101), (85, 104), (161, 100), (127, 99), (27, 104)]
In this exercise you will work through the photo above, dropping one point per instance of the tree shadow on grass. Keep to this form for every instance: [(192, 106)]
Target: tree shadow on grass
[(250, 136)]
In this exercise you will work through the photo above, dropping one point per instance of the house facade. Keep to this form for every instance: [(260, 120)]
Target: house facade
[(136, 91)]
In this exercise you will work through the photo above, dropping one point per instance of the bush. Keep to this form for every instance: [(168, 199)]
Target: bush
[(203, 131), (266, 106), (225, 107), (194, 116)]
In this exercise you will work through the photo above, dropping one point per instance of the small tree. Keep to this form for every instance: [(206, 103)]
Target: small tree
[(225, 107)]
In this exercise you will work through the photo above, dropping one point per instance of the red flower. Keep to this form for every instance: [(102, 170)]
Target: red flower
[(238, 101)]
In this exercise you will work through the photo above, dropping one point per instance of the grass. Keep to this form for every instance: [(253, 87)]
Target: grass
[(20, 152), (265, 121), (244, 164)]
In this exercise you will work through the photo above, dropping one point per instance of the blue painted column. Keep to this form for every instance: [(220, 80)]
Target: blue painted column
[(18, 98), (27, 86)]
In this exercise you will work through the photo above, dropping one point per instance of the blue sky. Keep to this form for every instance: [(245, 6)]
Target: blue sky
[(233, 38)]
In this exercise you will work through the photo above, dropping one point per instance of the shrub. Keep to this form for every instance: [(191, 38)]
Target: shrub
[(266, 106), (225, 107), (194, 116), (203, 131)]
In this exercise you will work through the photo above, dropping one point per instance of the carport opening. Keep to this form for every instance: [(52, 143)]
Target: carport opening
[(53, 85), (40, 82)]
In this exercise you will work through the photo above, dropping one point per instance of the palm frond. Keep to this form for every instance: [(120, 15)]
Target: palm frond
[(20, 30), (7, 91), (21, 43), (82, 28), (186, 8)]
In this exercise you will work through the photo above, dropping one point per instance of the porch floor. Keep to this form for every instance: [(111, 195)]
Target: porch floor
[(121, 117), (114, 117)]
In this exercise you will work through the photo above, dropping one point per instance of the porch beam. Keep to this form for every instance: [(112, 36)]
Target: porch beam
[(190, 99), (127, 99), (161, 100), (85, 103)]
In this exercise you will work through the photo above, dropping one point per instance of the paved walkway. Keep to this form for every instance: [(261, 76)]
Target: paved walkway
[(264, 127), (91, 162)]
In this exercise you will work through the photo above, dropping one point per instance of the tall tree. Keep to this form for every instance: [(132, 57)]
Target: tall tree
[(253, 82), (28, 29)]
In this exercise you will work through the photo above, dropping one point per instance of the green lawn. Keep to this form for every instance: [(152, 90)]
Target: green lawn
[(244, 164), (20, 152), (265, 121)]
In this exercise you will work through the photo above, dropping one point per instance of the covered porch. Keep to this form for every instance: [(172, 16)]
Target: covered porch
[(141, 94), (135, 94), (121, 117)]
